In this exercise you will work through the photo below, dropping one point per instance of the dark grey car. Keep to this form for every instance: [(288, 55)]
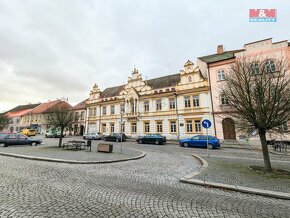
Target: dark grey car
[(19, 139)]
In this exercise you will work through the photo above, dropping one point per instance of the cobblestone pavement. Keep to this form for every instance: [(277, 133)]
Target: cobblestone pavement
[(148, 187)]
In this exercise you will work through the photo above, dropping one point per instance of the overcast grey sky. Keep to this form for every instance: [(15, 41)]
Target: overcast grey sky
[(59, 48)]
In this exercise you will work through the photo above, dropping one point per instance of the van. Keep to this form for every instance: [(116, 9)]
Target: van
[(28, 132)]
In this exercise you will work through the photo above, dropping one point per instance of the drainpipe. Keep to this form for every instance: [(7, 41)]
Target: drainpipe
[(212, 108), (176, 109)]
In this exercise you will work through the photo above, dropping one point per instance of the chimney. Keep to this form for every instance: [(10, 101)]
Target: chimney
[(220, 49)]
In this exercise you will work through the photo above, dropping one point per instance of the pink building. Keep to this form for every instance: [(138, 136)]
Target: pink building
[(216, 65)]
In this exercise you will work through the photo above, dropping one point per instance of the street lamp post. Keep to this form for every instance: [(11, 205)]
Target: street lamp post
[(121, 132)]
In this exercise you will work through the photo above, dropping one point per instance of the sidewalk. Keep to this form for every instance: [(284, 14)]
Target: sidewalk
[(236, 172)]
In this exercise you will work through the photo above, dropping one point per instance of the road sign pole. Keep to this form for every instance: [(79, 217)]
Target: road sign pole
[(207, 142)]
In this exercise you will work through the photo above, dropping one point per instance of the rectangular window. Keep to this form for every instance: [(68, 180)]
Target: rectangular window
[(94, 111), (147, 127), (104, 110), (171, 103), (224, 99), (221, 75), (112, 127), (197, 125), (82, 115), (122, 127), (133, 127), (91, 112), (112, 109), (158, 105), (146, 105), (188, 126), (159, 126), (187, 101), (173, 126), (122, 108), (195, 101), (104, 128)]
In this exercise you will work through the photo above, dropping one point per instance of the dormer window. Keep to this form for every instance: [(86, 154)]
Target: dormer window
[(221, 75)]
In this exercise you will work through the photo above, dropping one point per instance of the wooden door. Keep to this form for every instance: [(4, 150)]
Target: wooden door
[(229, 129)]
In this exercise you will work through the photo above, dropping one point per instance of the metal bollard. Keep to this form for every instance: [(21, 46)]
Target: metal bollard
[(89, 145)]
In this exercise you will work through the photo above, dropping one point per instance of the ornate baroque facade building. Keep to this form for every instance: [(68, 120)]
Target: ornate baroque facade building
[(173, 105)]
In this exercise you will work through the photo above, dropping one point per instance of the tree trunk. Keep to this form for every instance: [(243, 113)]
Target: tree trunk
[(262, 134), (60, 137)]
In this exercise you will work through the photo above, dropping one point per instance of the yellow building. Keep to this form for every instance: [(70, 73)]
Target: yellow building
[(173, 105)]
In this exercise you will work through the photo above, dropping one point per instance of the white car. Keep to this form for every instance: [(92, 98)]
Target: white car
[(93, 136)]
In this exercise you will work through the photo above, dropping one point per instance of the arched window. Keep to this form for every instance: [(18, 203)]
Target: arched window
[(189, 79), (221, 75)]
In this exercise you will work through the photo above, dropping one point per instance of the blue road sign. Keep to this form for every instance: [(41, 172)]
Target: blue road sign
[(206, 124)]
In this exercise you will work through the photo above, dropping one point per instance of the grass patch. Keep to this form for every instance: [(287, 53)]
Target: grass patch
[(275, 173)]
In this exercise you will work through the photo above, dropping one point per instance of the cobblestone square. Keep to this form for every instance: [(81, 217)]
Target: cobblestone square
[(148, 187)]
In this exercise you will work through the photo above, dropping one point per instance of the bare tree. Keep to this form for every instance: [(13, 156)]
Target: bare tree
[(61, 116), (257, 92), (4, 121)]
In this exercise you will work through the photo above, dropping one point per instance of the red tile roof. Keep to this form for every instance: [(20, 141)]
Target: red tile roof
[(18, 113), (81, 105)]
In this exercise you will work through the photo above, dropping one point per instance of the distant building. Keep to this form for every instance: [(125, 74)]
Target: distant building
[(37, 118), (15, 115), (80, 118), (215, 67), (173, 105)]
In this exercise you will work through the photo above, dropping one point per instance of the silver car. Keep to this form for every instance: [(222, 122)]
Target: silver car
[(93, 136)]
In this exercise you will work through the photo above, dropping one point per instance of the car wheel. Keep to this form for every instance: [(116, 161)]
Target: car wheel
[(185, 144), (4, 144), (210, 146), (117, 140), (84, 137), (156, 142), (140, 141), (33, 143), (93, 138)]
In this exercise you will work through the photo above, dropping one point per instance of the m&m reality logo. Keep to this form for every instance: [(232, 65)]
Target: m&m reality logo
[(262, 15)]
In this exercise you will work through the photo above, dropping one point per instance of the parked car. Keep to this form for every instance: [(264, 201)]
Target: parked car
[(116, 137), (19, 139), (2, 135), (157, 139), (28, 132), (201, 142), (93, 136), (53, 133)]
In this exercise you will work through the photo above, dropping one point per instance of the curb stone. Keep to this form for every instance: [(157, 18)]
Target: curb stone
[(143, 154), (190, 180)]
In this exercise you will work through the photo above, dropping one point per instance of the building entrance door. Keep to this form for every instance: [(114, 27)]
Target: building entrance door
[(229, 129)]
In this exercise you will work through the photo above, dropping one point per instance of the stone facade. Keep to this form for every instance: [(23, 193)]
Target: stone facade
[(173, 106)]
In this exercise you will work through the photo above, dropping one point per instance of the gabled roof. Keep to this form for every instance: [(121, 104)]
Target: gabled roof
[(42, 108), (23, 107), (219, 57), (165, 81), (81, 105)]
